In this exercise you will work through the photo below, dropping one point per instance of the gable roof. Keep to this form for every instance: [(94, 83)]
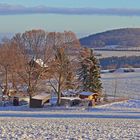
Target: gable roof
[(40, 62), (87, 93), (41, 96)]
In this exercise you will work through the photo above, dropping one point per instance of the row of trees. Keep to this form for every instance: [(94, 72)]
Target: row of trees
[(37, 55), (119, 62)]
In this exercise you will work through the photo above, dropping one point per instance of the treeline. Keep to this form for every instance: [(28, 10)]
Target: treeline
[(35, 56), (119, 62), (38, 58), (121, 37)]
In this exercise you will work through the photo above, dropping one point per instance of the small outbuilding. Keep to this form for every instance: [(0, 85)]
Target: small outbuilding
[(88, 95), (93, 97), (70, 101), (38, 101)]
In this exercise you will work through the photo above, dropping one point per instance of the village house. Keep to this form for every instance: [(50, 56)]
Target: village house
[(90, 96)]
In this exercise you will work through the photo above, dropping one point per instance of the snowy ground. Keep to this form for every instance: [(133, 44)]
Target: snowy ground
[(116, 121), (117, 53), (127, 84), (69, 129)]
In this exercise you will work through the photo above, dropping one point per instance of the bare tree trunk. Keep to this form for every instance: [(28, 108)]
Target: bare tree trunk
[(59, 99), (29, 87), (6, 81), (13, 81), (59, 91), (115, 90), (30, 97)]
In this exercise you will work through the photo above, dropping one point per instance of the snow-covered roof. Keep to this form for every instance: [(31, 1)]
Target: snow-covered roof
[(41, 96), (71, 98), (40, 62), (105, 71), (70, 92), (87, 93)]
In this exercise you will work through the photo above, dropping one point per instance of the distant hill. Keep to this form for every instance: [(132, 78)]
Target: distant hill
[(118, 37)]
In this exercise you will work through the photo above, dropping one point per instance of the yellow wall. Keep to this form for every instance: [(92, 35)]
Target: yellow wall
[(90, 97)]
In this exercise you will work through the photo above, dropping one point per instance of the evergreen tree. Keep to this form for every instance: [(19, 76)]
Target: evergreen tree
[(84, 75), (89, 73)]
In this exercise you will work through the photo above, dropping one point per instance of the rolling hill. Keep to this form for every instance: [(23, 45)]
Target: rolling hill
[(126, 37)]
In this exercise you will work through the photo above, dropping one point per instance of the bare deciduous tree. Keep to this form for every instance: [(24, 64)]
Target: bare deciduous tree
[(36, 55), (65, 47), (8, 55)]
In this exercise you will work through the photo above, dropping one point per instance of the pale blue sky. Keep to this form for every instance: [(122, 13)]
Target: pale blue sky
[(78, 3), (127, 14)]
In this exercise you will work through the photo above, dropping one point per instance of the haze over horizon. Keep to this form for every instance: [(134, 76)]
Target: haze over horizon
[(83, 17)]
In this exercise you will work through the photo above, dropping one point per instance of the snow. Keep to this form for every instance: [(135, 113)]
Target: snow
[(111, 47), (127, 84), (70, 92), (121, 70), (68, 129), (125, 105), (41, 96), (113, 121), (105, 54), (105, 71), (70, 98), (86, 93), (40, 62)]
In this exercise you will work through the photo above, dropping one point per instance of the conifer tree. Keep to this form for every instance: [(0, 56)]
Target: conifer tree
[(89, 73)]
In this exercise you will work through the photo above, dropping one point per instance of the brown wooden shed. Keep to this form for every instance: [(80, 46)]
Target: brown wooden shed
[(38, 101)]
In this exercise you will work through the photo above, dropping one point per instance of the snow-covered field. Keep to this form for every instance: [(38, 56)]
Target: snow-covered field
[(127, 84), (69, 129), (116, 121), (117, 53)]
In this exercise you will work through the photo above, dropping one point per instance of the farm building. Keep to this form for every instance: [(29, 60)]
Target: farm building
[(93, 97), (38, 63), (88, 95), (38, 101), (70, 101)]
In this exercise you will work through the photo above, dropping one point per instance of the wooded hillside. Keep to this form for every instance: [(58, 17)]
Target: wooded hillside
[(122, 37)]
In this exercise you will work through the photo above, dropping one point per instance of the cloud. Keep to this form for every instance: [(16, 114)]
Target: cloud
[(6, 9)]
